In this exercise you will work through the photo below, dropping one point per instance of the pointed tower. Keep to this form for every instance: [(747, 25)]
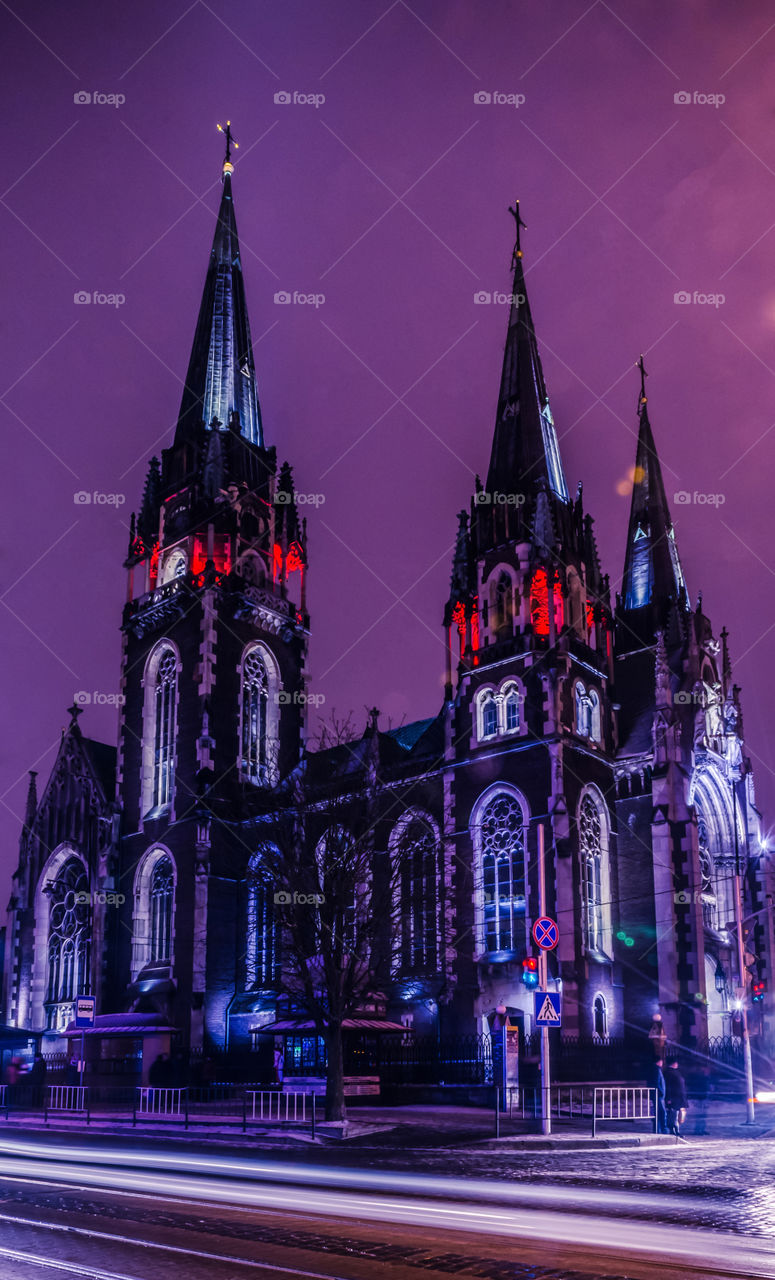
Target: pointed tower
[(215, 642), (221, 378), (529, 655), (525, 452), (653, 586)]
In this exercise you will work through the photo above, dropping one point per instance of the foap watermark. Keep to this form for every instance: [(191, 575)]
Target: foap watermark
[(283, 898), (687, 698), (683, 498), (284, 298), (85, 298), (485, 297), (685, 897), (102, 898), (496, 98), (98, 699), (299, 699), (494, 498), (288, 98), (284, 498), (695, 98), (97, 99), (683, 298), (98, 498)]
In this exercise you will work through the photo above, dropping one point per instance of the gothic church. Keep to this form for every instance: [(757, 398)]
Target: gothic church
[(613, 724)]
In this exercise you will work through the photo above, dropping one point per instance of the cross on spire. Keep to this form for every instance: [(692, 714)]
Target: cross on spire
[(643, 376), (74, 712), (519, 223), (229, 141)]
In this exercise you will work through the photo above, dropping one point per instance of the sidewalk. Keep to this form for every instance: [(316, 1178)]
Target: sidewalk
[(414, 1127)]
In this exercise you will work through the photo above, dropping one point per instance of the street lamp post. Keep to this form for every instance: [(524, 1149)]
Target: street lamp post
[(741, 991)]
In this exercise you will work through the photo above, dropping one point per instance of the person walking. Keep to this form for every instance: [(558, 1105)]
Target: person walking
[(279, 1065), (37, 1079), (658, 1083), (676, 1097)]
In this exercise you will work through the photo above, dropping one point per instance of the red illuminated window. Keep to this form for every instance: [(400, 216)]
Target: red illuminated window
[(539, 603), (295, 558)]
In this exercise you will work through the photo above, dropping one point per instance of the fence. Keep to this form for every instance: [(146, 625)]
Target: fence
[(162, 1104), (226, 1104), (71, 1099), (630, 1103), (461, 1060)]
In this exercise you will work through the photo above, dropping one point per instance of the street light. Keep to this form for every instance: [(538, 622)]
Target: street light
[(721, 979)]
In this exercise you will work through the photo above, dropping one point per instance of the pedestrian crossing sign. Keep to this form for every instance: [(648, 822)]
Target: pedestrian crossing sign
[(547, 1009)]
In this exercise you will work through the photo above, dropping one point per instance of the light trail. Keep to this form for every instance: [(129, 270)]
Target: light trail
[(402, 1184), (105, 1236), (734, 1255)]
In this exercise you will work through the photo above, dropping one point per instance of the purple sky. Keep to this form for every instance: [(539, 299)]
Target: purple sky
[(390, 199)]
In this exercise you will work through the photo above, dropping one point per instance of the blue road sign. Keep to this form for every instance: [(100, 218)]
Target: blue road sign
[(84, 1011), (547, 1008), (546, 935)]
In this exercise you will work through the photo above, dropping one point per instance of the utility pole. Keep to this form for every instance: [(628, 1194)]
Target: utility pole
[(742, 992), (543, 985)]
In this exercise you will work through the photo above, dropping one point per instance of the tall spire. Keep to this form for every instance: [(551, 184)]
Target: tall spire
[(652, 569), (221, 379), (525, 452)]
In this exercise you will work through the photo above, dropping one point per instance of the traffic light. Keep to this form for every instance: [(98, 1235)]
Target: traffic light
[(530, 971), (758, 989)]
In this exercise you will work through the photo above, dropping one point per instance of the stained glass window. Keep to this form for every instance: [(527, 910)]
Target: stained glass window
[(417, 898), (592, 853), (255, 696), (502, 846), (164, 728), (162, 896), (69, 933), (263, 940)]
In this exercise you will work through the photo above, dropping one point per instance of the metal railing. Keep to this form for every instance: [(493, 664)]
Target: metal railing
[(161, 1103), (270, 1106), (630, 1103), (72, 1099)]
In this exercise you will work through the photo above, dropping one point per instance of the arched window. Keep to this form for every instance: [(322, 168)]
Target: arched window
[(263, 934), (499, 837), (162, 897), (69, 937), (161, 689), (153, 919), (415, 922), (511, 710), (710, 796), (600, 1018), (502, 604), (489, 714), (593, 847), (594, 715), (259, 716), (342, 873), (576, 605), (582, 711)]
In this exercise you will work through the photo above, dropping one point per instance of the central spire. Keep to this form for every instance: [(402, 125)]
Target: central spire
[(220, 385), (525, 452), (652, 569)]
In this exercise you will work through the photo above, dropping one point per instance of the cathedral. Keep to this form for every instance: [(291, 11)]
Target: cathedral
[(611, 725)]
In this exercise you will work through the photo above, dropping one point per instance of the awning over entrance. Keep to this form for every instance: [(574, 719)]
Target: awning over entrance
[(107, 1025), (296, 1026)]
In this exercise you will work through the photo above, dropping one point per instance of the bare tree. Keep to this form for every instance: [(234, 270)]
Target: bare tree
[(333, 892)]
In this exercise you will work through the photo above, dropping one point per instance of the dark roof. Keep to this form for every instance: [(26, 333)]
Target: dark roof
[(102, 758), (408, 735)]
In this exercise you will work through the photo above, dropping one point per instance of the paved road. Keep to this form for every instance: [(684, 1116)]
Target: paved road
[(121, 1215)]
